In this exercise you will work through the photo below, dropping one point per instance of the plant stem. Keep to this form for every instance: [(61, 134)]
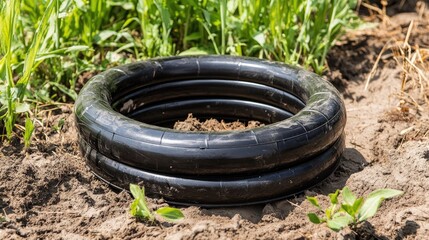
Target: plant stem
[(222, 21)]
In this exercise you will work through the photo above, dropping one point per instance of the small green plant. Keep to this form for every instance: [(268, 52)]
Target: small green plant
[(351, 210), (139, 208), (59, 126), (29, 128)]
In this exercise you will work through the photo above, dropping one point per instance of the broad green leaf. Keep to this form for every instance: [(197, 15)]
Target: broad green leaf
[(339, 222), (21, 107), (104, 35), (373, 202), (314, 201), (314, 218), (259, 38), (348, 196), (170, 213), (334, 197)]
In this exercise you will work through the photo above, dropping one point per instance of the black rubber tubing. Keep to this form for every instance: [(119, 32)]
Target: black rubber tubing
[(219, 191), (211, 88), (226, 109), (148, 147)]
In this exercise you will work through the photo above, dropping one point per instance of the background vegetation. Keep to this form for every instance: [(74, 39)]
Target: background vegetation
[(45, 45)]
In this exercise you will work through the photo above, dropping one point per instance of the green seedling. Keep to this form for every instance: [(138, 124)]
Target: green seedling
[(29, 128), (59, 126), (351, 210), (139, 208)]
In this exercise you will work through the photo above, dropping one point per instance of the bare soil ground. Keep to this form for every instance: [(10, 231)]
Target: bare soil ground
[(49, 193)]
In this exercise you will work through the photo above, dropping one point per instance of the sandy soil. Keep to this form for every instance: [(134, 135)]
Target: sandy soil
[(49, 193)]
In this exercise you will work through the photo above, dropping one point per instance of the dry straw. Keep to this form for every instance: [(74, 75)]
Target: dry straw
[(415, 68)]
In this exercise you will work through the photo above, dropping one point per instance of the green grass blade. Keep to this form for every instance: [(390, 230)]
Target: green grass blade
[(35, 47), (29, 128)]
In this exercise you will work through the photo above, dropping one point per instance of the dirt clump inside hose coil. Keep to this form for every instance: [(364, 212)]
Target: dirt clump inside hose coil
[(192, 123)]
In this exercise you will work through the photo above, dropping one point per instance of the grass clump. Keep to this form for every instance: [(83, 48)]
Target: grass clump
[(15, 74), (291, 31)]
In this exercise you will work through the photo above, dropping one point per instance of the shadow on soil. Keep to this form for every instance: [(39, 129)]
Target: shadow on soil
[(409, 229), (367, 231), (352, 162)]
